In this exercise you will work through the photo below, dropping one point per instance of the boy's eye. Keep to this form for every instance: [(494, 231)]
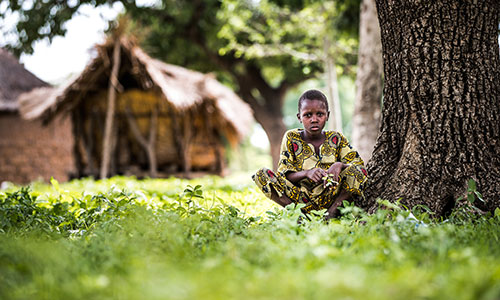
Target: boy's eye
[(320, 114)]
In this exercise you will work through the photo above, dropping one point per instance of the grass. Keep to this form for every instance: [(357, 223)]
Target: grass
[(215, 238)]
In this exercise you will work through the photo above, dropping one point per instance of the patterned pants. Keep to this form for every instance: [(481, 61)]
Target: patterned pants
[(315, 196)]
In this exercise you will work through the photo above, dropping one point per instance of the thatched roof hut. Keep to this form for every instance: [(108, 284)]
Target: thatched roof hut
[(28, 150), (14, 80), (166, 118)]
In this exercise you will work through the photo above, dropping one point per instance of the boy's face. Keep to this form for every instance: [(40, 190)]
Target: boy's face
[(313, 116)]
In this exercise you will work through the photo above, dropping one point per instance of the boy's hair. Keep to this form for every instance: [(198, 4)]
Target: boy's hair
[(313, 95)]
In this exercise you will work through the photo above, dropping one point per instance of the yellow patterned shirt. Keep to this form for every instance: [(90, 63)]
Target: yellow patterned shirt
[(297, 155)]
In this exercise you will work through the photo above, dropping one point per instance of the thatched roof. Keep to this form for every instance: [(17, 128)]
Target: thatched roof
[(182, 88), (14, 80)]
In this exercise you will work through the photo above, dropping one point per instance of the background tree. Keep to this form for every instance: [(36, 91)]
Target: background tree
[(257, 46), (191, 34), (367, 106), (440, 123), (310, 34)]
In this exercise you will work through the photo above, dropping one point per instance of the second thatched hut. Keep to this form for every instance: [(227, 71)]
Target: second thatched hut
[(165, 119)]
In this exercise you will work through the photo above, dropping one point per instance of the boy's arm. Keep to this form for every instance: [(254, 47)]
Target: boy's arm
[(315, 175)]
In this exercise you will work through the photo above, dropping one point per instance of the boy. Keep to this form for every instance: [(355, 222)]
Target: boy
[(318, 168)]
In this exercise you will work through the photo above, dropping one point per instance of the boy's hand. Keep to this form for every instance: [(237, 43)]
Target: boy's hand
[(316, 174), (335, 170)]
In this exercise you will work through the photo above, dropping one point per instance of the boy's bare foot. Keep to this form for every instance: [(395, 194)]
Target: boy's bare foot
[(333, 211), (283, 200)]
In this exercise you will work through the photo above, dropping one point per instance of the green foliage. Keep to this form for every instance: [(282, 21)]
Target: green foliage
[(39, 20), (268, 30), (472, 192), (213, 35), (184, 34), (20, 211), (465, 205), (215, 238), (242, 39)]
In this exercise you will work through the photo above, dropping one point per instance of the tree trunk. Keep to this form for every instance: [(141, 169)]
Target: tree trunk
[(267, 106), (272, 123), (110, 113), (439, 123), (368, 82), (265, 101)]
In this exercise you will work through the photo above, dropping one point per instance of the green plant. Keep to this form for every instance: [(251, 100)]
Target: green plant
[(190, 239)]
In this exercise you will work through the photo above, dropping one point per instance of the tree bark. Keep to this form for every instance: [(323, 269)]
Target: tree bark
[(267, 106), (367, 105), (440, 123), (110, 113), (272, 123)]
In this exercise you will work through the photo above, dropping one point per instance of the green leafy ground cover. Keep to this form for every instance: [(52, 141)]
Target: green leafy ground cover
[(215, 238)]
